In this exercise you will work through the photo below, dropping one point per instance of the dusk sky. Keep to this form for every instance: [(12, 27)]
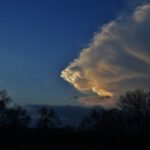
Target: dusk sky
[(40, 38)]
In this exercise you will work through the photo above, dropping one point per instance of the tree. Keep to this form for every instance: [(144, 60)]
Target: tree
[(47, 118), (103, 120), (136, 100), (17, 117), (92, 122), (4, 102), (136, 107)]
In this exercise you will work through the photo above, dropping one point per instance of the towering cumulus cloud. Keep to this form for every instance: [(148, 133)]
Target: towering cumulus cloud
[(117, 59)]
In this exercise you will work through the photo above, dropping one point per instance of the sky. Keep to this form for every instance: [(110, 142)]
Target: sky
[(40, 38)]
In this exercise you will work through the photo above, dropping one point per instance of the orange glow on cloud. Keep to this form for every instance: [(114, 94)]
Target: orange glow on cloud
[(117, 60)]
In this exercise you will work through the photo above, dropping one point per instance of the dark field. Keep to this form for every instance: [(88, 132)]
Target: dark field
[(46, 140)]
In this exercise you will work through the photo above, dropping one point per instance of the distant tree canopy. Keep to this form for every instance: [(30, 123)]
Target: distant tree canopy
[(14, 117), (17, 117), (135, 106), (138, 101), (92, 121), (131, 114), (126, 124), (5, 99), (47, 118)]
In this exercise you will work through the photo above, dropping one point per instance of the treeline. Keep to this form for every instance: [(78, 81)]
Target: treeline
[(130, 116), (128, 122), (16, 117)]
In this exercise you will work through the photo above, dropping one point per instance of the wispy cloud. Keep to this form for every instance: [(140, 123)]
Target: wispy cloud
[(117, 59)]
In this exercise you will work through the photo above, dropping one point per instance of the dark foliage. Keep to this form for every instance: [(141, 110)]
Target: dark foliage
[(17, 118), (4, 102), (125, 127), (48, 119)]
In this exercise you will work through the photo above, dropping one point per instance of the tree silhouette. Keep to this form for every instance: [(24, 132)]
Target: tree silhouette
[(136, 100), (92, 122), (17, 117), (136, 107), (132, 114), (47, 118), (103, 120), (4, 102)]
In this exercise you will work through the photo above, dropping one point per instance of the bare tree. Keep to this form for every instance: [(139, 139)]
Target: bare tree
[(136, 107), (47, 118), (92, 121), (17, 117), (4, 102), (5, 99)]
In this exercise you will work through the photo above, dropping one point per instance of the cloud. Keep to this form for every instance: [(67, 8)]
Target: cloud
[(117, 59), (97, 100)]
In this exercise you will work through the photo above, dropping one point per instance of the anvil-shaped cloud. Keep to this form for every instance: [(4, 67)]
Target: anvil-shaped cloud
[(117, 59)]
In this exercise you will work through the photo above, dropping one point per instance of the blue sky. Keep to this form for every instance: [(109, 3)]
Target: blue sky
[(39, 38)]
